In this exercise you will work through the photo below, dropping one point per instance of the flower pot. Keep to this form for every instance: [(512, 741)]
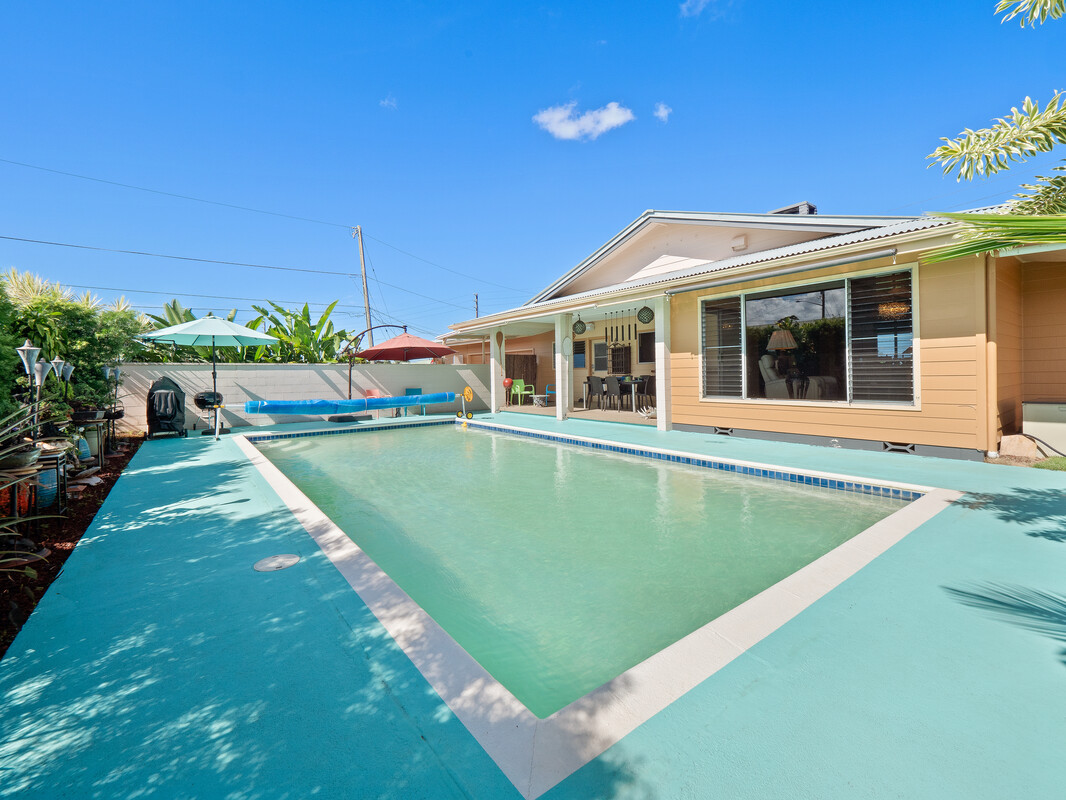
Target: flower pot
[(23, 458), (92, 436)]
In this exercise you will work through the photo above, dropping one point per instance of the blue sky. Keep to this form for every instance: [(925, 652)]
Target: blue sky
[(417, 122)]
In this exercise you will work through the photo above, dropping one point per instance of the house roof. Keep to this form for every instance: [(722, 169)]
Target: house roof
[(848, 231), (830, 227)]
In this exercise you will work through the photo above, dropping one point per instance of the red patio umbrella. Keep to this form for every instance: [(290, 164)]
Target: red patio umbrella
[(404, 348)]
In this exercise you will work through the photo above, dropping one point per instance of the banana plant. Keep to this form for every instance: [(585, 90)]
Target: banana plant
[(300, 339)]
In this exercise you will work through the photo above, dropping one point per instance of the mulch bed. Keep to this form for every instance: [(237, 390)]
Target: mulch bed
[(19, 594)]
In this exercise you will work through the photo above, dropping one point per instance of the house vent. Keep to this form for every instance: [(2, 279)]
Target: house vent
[(805, 207), (723, 431), (897, 447)]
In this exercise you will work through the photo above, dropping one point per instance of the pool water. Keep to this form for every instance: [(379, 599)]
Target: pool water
[(558, 567)]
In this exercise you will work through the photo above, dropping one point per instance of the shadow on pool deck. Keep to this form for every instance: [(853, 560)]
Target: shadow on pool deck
[(1026, 507), (1029, 609), (160, 665)]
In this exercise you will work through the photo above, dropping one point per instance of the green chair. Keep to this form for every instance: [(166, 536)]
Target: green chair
[(519, 387), (408, 393)]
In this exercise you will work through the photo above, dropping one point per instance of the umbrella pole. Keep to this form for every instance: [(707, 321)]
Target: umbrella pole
[(214, 383)]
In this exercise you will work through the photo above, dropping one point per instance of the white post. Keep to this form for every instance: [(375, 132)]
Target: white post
[(497, 360), (564, 366), (661, 307)]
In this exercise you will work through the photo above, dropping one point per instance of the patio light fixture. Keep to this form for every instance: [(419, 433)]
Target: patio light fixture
[(28, 353)]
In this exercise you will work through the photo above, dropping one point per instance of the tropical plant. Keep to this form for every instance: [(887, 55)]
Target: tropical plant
[(984, 232), (1014, 138), (174, 313), (1031, 11), (300, 339)]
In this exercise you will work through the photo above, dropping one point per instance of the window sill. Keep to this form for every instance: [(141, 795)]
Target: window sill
[(837, 404)]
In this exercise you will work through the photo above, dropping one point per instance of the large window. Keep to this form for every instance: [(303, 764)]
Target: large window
[(841, 340)]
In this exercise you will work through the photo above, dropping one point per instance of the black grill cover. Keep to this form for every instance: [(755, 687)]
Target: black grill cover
[(166, 408)]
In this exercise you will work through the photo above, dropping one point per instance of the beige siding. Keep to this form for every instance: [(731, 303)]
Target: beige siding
[(1044, 299), (951, 303)]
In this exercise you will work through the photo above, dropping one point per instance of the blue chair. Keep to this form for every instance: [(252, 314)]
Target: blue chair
[(409, 393), (549, 393)]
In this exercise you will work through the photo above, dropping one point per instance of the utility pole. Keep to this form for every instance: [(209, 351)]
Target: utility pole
[(475, 305), (357, 233)]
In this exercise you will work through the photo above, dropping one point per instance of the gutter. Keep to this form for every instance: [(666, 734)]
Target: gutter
[(889, 252)]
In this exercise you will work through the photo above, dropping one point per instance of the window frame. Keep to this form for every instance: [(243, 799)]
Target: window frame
[(596, 356), (914, 404), (640, 335)]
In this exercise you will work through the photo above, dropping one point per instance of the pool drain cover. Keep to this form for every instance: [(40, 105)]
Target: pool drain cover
[(274, 563)]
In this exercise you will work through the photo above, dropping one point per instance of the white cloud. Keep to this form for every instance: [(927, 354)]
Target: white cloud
[(561, 122), (662, 112), (389, 102), (692, 8)]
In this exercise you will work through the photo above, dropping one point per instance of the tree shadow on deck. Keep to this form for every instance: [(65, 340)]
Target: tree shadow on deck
[(1029, 609), (1026, 507)]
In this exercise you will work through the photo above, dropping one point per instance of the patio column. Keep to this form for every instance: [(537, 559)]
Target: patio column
[(497, 360), (661, 307), (564, 366)]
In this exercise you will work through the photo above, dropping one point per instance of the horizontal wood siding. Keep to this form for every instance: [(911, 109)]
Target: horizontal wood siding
[(951, 330), (1044, 352)]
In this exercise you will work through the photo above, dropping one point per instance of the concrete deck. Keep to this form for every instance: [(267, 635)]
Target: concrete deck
[(161, 665)]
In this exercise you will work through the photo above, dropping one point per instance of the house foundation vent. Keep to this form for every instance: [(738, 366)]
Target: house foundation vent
[(897, 447), (723, 431)]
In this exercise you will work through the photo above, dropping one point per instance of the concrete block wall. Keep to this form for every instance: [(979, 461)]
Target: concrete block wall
[(241, 382)]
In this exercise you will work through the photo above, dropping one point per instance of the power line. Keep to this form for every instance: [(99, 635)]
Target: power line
[(254, 211), (215, 261), (207, 296), (176, 258), (173, 194), (446, 269)]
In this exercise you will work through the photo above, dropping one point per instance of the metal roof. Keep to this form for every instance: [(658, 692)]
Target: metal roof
[(900, 225), (832, 225)]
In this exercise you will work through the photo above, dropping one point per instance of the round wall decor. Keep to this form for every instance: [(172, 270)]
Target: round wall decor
[(645, 315), (578, 327)]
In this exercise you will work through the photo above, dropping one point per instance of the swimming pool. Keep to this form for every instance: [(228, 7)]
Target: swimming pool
[(557, 567)]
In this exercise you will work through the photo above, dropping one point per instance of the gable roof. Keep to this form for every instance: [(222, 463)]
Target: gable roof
[(823, 227)]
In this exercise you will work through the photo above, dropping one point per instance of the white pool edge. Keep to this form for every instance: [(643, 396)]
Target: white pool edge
[(536, 754)]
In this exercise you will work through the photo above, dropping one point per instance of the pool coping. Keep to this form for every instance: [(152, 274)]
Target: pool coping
[(536, 754)]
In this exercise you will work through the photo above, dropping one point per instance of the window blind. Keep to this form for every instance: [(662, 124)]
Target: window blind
[(881, 332), (722, 353)]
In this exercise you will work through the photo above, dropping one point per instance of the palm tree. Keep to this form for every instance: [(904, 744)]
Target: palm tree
[(1038, 215)]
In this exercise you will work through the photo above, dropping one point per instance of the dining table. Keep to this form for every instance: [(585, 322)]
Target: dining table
[(633, 382)]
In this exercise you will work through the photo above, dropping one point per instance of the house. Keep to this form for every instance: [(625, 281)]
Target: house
[(800, 327)]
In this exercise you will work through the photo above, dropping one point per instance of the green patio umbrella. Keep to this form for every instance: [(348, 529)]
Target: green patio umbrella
[(213, 331)]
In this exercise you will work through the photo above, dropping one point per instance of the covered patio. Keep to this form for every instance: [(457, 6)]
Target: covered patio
[(625, 338)]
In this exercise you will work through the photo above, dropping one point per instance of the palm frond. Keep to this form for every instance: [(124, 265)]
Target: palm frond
[(1046, 197), (1032, 12), (983, 233), (1020, 135)]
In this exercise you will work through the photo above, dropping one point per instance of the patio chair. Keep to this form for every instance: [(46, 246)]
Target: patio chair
[(409, 393), (596, 390), (549, 393), (522, 389), (648, 393), (614, 390)]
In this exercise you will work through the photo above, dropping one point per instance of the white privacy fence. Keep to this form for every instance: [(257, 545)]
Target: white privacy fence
[(241, 382)]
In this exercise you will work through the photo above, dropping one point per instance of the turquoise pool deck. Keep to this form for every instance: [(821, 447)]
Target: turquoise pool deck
[(161, 665)]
